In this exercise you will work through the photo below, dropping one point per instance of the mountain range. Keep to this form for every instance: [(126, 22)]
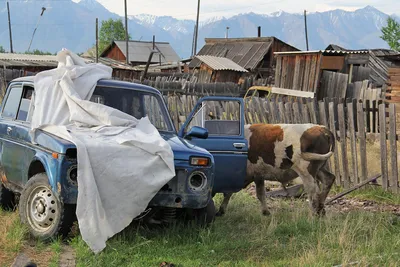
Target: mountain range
[(72, 25)]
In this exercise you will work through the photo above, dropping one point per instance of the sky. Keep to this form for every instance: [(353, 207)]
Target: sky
[(186, 9)]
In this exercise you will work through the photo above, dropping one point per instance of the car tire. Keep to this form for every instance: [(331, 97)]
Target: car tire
[(206, 215), (43, 211), (7, 198)]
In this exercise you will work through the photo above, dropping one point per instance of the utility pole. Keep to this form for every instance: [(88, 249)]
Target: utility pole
[(126, 34), (305, 26), (37, 24), (227, 30), (194, 37), (197, 28), (97, 40), (9, 27)]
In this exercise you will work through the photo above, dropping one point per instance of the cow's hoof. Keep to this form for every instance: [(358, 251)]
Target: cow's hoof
[(266, 212), (220, 213)]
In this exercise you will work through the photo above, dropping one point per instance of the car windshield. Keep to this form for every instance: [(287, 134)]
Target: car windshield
[(135, 103)]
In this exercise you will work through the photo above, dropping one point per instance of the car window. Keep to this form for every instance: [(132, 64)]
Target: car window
[(25, 104), (218, 117), (12, 103), (153, 111)]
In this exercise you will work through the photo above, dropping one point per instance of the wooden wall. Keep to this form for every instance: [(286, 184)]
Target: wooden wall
[(115, 53), (298, 72)]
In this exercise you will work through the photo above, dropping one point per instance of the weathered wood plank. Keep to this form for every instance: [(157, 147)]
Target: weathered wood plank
[(282, 117), (306, 114), (362, 140), (383, 146), (394, 180), (291, 92), (278, 71), (336, 153), (343, 143), (289, 112), (296, 112), (353, 142)]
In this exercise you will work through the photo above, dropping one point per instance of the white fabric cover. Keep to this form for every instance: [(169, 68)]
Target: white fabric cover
[(122, 162)]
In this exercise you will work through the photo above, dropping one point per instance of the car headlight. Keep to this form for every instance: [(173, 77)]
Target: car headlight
[(73, 175), (197, 181), (198, 161)]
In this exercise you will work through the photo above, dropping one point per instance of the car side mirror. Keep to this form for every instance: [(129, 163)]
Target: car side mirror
[(197, 132)]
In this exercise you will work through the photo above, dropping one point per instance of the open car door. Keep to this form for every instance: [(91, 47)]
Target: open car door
[(223, 117)]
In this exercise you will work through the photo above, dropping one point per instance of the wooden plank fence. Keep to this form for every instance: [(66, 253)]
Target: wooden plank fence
[(350, 121)]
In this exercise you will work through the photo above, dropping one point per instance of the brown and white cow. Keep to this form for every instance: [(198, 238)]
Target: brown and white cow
[(283, 152)]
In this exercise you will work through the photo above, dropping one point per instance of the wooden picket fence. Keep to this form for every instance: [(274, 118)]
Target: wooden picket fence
[(356, 127)]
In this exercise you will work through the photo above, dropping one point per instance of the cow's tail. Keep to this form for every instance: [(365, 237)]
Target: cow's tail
[(314, 156)]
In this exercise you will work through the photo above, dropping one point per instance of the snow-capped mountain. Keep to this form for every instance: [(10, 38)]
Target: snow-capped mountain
[(75, 29)]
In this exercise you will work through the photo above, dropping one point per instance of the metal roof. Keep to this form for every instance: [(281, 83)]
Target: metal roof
[(26, 60), (324, 52), (221, 63), (140, 51), (246, 52)]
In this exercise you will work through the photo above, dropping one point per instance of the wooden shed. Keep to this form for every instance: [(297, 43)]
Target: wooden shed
[(256, 55), (218, 69), (303, 70)]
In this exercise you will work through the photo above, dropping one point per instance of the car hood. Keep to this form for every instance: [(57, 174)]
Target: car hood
[(182, 148)]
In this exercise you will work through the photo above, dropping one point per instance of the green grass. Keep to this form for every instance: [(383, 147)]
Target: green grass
[(243, 237)]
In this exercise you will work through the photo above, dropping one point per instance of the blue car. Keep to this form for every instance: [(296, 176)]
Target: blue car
[(42, 178)]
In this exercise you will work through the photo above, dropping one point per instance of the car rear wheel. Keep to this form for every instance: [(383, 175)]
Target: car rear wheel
[(43, 211), (206, 215), (7, 198)]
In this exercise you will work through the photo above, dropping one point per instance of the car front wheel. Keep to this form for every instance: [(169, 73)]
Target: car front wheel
[(42, 210)]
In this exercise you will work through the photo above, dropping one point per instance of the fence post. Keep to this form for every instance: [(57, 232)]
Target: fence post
[(282, 117), (394, 180), (382, 133), (289, 112), (333, 129), (296, 112), (343, 143), (363, 140), (353, 143)]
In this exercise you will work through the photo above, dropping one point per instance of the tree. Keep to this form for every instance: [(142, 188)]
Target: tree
[(110, 30), (2, 50), (391, 34), (37, 52)]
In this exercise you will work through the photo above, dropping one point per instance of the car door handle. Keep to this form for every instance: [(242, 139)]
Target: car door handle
[(9, 129), (239, 145)]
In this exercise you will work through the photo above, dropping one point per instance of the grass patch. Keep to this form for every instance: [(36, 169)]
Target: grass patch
[(377, 194), (289, 237), (12, 234), (14, 239)]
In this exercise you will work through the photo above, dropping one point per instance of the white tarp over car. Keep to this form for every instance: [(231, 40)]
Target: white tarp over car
[(122, 161)]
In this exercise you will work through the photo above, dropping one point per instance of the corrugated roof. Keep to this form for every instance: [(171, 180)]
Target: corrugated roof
[(221, 63), (246, 52), (140, 51), (324, 52), (26, 60)]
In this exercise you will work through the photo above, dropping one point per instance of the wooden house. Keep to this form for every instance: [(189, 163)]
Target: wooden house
[(256, 55), (139, 52)]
